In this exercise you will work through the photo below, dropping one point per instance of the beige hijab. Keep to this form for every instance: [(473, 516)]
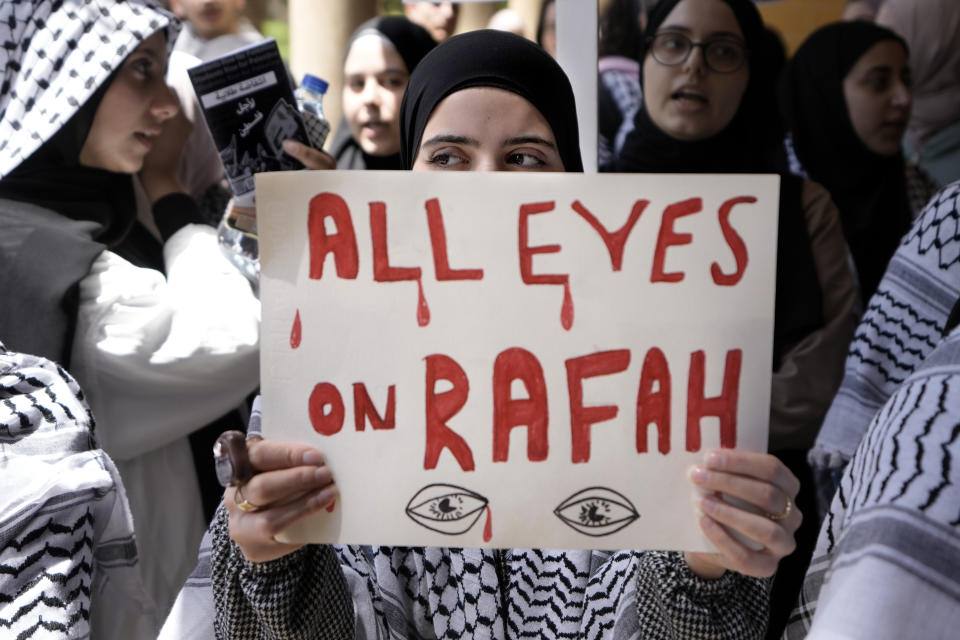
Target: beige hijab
[(932, 29)]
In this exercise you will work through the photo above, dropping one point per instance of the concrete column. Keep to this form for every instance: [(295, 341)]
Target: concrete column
[(529, 10), (577, 54), (318, 38), (475, 15)]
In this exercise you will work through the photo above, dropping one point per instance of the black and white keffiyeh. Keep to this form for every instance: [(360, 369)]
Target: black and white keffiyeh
[(904, 321), (887, 562), (66, 533), (327, 592), (55, 54), (324, 592)]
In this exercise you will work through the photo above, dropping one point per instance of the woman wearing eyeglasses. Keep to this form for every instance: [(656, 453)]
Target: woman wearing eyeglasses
[(707, 108)]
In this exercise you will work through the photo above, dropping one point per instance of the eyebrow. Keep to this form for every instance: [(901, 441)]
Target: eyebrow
[(528, 140), (390, 70), (149, 52), (449, 138), (712, 34)]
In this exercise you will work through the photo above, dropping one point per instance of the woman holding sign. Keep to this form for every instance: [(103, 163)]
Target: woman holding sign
[(488, 101)]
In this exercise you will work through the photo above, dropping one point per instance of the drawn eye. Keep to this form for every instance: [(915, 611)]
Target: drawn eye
[(446, 508), (597, 511)]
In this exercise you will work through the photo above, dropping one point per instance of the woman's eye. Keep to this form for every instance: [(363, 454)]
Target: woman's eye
[(673, 44), (525, 160), (724, 51), (446, 160), (394, 83), (142, 68), (879, 82)]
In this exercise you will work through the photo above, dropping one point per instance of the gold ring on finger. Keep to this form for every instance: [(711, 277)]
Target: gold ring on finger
[(242, 503), (783, 514)]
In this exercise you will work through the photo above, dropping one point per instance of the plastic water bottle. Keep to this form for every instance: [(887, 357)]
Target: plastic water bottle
[(309, 97)]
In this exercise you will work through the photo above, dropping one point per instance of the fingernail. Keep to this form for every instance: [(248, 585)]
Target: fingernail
[(695, 502), (708, 504), (313, 457), (322, 476), (699, 475), (326, 497), (290, 146), (707, 523), (714, 460)]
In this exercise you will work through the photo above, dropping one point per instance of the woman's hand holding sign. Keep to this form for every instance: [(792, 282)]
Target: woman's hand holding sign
[(768, 517), (290, 482)]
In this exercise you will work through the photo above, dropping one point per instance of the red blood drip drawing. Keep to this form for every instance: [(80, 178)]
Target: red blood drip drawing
[(296, 332), (488, 527), (566, 311), (423, 311), (330, 506)]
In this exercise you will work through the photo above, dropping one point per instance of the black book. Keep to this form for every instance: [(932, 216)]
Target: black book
[(249, 106)]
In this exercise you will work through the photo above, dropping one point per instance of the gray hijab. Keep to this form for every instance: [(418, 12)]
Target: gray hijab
[(932, 31)]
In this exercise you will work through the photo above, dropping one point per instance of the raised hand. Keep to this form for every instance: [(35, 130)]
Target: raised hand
[(757, 504), (308, 156), (291, 481)]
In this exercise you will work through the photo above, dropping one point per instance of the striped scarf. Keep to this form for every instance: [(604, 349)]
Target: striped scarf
[(66, 534), (887, 563), (904, 321)]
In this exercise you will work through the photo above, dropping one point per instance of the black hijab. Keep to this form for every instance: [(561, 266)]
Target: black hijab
[(412, 42), (488, 58), (869, 189), (751, 143), (53, 178)]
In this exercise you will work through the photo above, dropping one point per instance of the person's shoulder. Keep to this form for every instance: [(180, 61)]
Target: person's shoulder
[(13, 209), (208, 49), (26, 215), (40, 395), (943, 361), (819, 209), (248, 32), (813, 194)]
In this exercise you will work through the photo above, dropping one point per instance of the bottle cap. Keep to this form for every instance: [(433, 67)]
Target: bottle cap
[(315, 84)]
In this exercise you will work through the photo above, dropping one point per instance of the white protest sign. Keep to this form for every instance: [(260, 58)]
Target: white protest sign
[(515, 359)]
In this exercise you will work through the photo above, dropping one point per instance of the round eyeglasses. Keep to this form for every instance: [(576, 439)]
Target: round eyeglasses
[(724, 55)]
